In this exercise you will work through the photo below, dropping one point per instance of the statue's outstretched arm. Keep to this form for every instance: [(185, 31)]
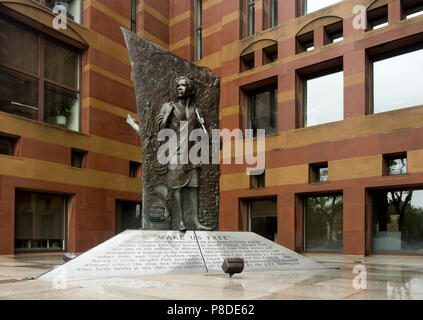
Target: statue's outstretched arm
[(131, 121)]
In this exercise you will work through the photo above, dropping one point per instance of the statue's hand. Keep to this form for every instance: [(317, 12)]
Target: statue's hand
[(130, 120)]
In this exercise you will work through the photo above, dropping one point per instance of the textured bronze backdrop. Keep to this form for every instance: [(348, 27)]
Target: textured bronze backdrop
[(155, 71)]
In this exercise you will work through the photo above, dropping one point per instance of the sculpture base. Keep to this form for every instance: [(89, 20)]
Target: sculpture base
[(141, 252)]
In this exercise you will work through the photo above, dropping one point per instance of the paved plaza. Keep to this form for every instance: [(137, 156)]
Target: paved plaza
[(388, 277)]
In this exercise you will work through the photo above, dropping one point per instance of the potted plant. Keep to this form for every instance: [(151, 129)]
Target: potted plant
[(61, 110)]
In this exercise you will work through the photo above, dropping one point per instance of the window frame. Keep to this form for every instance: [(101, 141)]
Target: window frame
[(314, 172), (308, 73), (305, 106), (119, 208), (370, 218), (198, 29), (13, 140), (83, 158), (136, 166), (134, 5), (394, 156), (247, 62), (66, 199), (304, 42), (251, 4), (333, 32), (40, 77), (247, 216), (258, 181), (270, 54), (273, 13), (391, 50), (302, 7), (270, 14), (301, 213), (271, 88), (410, 7), (377, 18)]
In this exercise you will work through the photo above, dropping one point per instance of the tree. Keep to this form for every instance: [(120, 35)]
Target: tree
[(400, 201), (327, 208)]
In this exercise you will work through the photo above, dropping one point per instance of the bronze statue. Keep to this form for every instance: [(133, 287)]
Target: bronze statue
[(177, 195), (182, 179)]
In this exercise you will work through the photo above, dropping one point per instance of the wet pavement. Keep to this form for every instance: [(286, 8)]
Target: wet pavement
[(387, 277)]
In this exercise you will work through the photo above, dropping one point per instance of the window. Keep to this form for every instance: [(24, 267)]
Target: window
[(257, 181), (7, 144), (334, 32), (78, 158), (47, 91), (273, 13), (377, 18), (247, 62), (198, 29), (73, 7), (324, 99), (319, 172), (270, 54), (270, 13), (398, 221), (305, 42), (397, 82), (40, 221), (262, 110), (134, 16), (128, 216), (134, 169), (250, 17), (314, 5), (395, 164), (323, 230), (412, 8), (247, 20), (262, 217)]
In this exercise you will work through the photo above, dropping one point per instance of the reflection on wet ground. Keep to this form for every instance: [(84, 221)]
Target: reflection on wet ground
[(385, 277)]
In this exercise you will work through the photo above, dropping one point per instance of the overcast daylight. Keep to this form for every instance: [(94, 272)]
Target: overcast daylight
[(211, 158)]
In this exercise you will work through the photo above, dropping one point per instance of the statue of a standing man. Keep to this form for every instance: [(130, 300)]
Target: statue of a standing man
[(182, 179)]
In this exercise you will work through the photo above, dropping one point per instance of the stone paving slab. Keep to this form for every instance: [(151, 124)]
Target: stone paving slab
[(399, 278)]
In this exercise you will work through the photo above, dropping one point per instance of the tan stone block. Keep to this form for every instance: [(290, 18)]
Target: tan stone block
[(287, 175), (415, 161), (355, 168)]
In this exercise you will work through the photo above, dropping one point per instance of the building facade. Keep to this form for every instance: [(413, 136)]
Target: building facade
[(336, 85)]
